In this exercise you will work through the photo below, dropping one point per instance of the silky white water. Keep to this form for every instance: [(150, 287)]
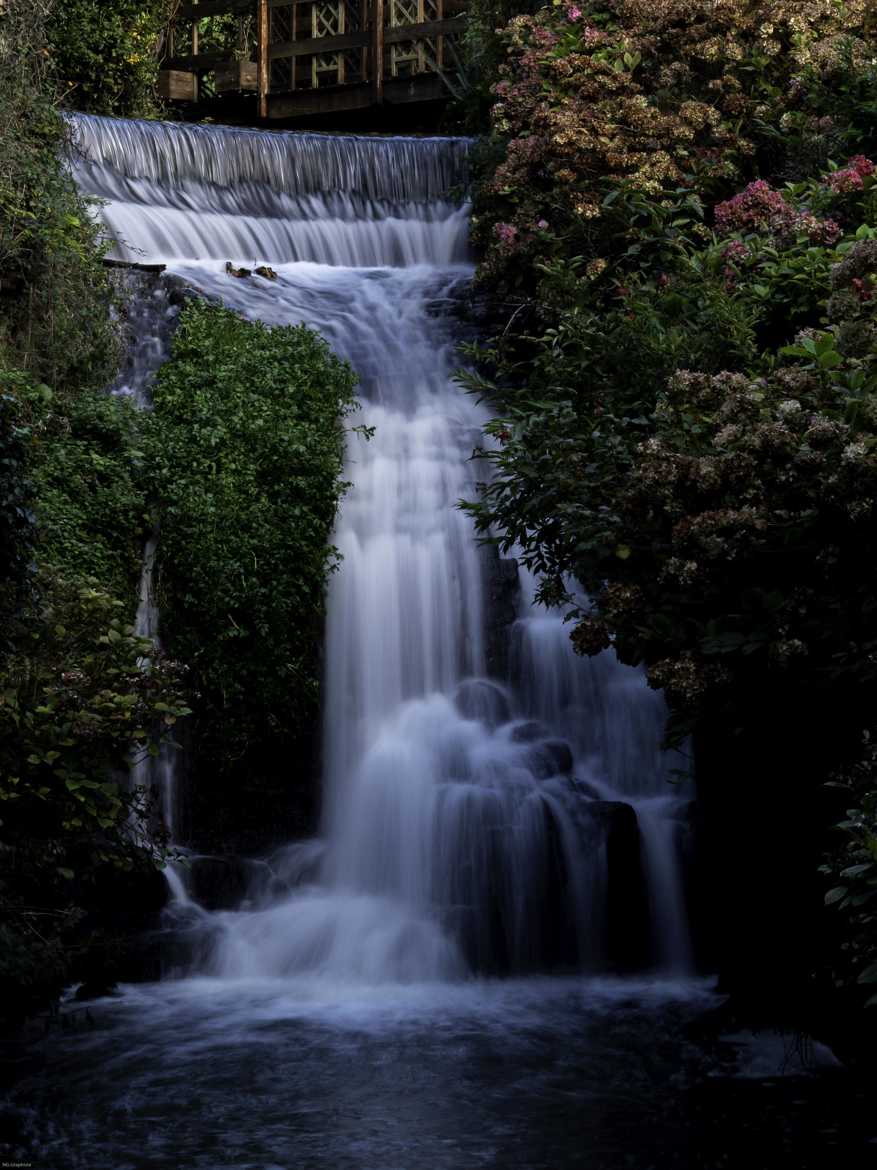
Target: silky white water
[(460, 831)]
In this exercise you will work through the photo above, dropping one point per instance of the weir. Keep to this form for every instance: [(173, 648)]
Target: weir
[(468, 821)]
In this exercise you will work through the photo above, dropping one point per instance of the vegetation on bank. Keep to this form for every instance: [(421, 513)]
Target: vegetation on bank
[(239, 466), (245, 460), (106, 56), (678, 215), (76, 704)]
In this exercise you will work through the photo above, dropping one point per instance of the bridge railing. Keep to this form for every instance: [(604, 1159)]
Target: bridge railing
[(290, 47)]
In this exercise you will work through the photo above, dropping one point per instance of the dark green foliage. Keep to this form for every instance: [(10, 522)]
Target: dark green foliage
[(684, 378), (851, 870), (16, 498), (75, 699), (88, 475), (245, 459), (54, 319), (75, 703), (106, 55)]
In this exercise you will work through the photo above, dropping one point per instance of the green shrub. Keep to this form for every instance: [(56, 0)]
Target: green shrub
[(245, 457), (107, 55), (54, 316), (851, 870), (90, 506), (76, 707)]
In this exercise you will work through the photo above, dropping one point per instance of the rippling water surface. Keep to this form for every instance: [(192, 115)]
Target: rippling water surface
[(541, 1074)]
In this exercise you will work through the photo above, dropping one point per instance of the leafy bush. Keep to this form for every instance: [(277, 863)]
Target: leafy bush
[(107, 55), (90, 506), (54, 316), (676, 492), (852, 870), (16, 497), (677, 212), (655, 95), (77, 706), (245, 458)]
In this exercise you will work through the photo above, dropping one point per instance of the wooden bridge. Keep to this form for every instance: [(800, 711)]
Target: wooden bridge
[(300, 58)]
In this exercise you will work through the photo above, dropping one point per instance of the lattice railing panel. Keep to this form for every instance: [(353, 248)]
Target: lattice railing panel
[(346, 28), (401, 12), (280, 74), (281, 24)]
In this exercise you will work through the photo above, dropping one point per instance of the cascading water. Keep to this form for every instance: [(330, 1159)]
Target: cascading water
[(150, 320), (461, 828)]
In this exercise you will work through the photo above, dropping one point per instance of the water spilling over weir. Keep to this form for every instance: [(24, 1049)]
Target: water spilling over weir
[(468, 820)]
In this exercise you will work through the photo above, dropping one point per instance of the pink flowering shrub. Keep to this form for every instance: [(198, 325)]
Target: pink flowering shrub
[(761, 208), (852, 177), (655, 94), (758, 206)]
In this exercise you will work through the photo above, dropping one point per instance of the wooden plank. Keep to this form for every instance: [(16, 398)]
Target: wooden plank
[(177, 85), (391, 36), (312, 45), (428, 28), (377, 62), (212, 8), (422, 87), (304, 103), (110, 263), (328, 100), (262, 32), (235, 76), (195, 61)]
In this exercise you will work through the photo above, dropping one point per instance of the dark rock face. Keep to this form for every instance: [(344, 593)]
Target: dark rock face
[(501, 610), (218, 883), (552, 757), (627, 910), (261, 802), (485, 701), (586, 788), (117, 941), (529, 732)]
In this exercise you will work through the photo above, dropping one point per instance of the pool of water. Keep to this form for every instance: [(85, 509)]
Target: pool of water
[(541, 1074)]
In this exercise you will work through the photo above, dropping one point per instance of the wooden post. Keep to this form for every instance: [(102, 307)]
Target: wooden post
[(363, 26), (195, 85), (263, 58), (378, 52)]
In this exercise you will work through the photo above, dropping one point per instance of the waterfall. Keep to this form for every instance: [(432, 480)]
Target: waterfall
[(465, 817), (150, 318)]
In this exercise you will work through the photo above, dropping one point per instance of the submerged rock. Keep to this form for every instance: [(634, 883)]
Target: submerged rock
[(218, 883), (488, 702), (627, 907), (552, 757), (529, 731)]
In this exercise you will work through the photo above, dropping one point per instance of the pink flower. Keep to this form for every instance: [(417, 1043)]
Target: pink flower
[(507, 234), (819, 231), (758, 206), (842, 182), (735, 252), (863, 291), (573, 13), (861, 165), (542, 225)]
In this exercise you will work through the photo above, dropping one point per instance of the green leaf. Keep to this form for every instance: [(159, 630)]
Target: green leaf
[(835, 895), (857, 870)]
